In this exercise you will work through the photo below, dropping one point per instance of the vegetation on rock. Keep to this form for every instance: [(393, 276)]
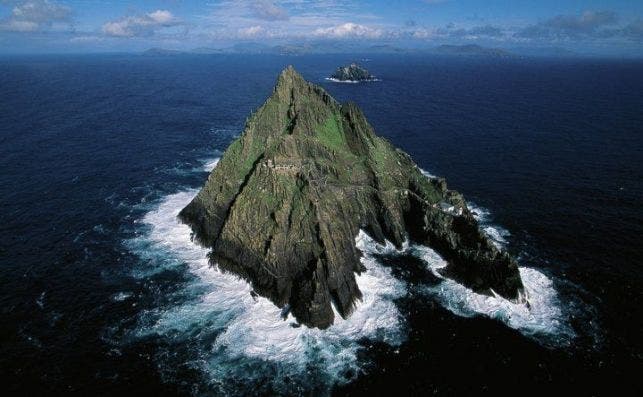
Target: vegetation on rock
[(289, 196)]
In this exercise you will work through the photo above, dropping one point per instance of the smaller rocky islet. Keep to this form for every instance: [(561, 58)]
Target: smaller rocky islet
[(284, 205), (352, 73)]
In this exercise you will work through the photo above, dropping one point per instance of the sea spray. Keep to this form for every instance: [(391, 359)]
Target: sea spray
[(542, 318), (239, 328), (238, 335)]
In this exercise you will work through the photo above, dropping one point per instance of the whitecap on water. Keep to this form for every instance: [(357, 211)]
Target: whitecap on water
[(497, 234), (121, 296), (244, 337), (351, 81), (241, 329), (208, 165), (427, 174), (543, 318)]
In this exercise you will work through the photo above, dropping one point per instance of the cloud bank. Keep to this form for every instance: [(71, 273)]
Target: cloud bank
[(225, 22), (348, 30), (269, 11), (35, 15), (142, 25)]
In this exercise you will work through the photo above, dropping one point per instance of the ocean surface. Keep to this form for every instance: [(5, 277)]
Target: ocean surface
[(103, 293)]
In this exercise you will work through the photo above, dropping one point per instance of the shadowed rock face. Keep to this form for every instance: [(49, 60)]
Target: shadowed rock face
[(286, 201), (352, 73)]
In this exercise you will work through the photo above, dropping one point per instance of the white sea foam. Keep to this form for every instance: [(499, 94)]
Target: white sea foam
[(351, 81), (41, 300), (479, 213), (497, 234), (209, 165), (121, 296), (237, 331), (427, 174), (247, 327), (541, 318)]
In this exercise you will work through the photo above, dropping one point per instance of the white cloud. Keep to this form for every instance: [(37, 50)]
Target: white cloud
[(589, 24), (35, 15), (13, 25), (348, 30), (144, 25), (452, 31), (279, 19), (268, 10), (161, 16), (86, 39), (421, 34), (251, 31)]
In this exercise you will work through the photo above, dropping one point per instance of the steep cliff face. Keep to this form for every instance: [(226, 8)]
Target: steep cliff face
[(286, 201)]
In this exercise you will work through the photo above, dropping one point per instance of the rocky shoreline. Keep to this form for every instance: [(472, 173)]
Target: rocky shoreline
[(352, 73), (289, 196)]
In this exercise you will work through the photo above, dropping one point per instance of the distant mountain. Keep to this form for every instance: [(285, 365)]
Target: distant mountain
[(471, 50), (292, 49), (161, 51), (314, 47), (555, 52), (387, 49), (335, 47), (207, 50), (249, 48)]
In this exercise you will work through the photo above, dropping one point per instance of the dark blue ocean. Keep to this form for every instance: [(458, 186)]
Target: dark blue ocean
[(102, 292)]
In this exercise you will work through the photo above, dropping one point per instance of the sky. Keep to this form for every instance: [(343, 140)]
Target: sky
[(63, 26)]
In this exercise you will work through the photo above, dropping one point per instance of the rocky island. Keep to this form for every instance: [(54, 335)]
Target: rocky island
[(351, 74), (289, 196)]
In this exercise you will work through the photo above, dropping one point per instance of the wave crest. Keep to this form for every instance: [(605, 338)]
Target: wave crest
[(221, 312), (237, 336)]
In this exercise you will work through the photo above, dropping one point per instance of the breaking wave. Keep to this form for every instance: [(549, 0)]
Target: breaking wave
[(542, 318), (351, 81), (237, 336), (497, 234), (242, 332), (427, 174), (208, 165)]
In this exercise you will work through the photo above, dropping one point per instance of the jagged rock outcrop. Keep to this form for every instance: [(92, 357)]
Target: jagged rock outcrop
[(289, 196), (352, 73)]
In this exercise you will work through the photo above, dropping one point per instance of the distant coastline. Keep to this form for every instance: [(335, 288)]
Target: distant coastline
[(470, 50)]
